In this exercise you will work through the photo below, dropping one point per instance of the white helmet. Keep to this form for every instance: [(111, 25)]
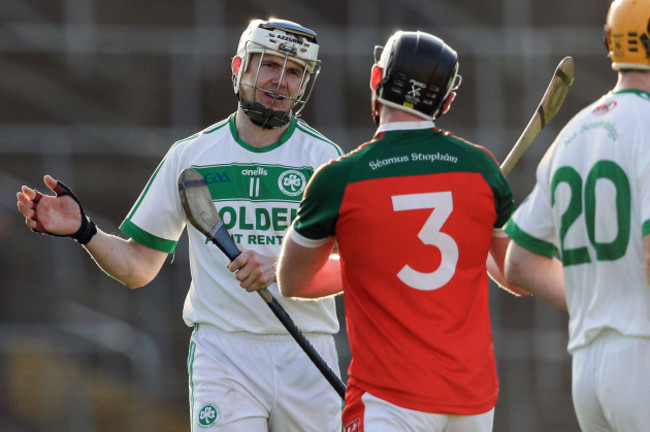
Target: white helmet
[(284, 39)]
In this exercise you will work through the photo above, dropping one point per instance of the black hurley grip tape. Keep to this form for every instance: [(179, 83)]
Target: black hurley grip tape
[(542, 115), (564, 77), (222, 239)]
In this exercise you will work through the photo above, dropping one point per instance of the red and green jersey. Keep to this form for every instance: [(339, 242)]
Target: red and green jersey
[(413, 212)]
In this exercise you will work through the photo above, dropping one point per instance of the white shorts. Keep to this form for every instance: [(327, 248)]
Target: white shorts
[(258, 383), (371, 414), (611, 384)]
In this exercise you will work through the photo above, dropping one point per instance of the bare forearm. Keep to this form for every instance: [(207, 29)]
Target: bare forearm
[(496, 264), (308, 273), (539, 275), (127, 261), (327, 281)]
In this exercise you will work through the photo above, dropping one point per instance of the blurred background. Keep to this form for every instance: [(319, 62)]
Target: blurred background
[(94, 92)]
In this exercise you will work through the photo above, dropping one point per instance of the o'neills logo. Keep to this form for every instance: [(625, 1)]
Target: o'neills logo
[(259, 171)]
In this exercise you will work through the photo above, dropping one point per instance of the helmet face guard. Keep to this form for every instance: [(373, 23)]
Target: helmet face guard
[(627, 34), (419, 71), (290, 42)]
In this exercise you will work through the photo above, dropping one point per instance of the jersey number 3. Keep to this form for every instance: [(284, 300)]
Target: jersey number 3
[(442, 205)]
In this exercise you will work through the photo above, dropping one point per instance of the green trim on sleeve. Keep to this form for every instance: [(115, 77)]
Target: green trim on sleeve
[(150, 240), (645, 228), (529, 242)]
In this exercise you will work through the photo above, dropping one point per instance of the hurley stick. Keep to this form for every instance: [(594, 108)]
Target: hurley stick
[(546, 110)]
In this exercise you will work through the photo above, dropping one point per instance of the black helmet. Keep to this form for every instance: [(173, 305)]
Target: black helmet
[(418, 72)]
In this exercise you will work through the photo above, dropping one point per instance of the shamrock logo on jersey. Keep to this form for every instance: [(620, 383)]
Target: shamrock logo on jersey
[(208, 415), (292, 182)]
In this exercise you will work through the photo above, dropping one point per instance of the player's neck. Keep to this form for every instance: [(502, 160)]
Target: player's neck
[(638, 80), (254, 135), (392, 115)]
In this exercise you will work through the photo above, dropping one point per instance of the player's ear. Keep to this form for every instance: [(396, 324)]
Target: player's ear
[(447, 103), (235, 65), (375, 77)]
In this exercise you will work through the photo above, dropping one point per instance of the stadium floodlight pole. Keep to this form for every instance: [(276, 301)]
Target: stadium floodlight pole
[(549, 106), (203, 215)]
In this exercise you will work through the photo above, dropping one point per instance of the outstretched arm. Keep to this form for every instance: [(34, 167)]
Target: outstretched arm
[(538, 274), (128, 261)]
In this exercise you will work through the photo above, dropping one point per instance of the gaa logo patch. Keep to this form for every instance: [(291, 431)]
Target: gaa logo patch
[(292, 182), (209, 415), (604, 108)]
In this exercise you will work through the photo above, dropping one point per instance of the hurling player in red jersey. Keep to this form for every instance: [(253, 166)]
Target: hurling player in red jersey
[(416, 214)]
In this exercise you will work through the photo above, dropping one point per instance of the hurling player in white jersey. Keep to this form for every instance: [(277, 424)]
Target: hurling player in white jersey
[(591, 206), (246, 373)]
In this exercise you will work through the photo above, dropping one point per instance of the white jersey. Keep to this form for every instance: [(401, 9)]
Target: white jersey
[(592, 204), (257, 192)]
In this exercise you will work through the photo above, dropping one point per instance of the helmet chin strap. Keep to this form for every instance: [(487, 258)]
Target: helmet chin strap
[(267, 118)]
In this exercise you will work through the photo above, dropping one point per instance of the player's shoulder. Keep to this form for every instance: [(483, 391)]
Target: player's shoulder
[(205, 136), (618, 113), (308, 134), (475, 151), (342, 166), (331, 178), (223, 127), (622, 101)]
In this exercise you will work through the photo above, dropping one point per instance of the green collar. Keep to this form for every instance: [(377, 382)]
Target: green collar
[(644, 94), (285, 136)]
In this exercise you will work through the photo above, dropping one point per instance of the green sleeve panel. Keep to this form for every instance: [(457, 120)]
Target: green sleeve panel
[(529, 242), (645, 228), (149, 240)]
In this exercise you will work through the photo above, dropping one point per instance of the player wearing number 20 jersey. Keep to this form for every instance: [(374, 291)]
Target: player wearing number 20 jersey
[(413, 212), (591, 207), (591, 204)]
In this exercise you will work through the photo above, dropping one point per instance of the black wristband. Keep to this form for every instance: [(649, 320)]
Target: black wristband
[(86, 231)]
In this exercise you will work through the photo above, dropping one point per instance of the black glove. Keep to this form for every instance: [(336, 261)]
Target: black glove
[(87, 229)]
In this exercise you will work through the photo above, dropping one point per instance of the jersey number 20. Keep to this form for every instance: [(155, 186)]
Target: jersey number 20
[(605, 251)]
